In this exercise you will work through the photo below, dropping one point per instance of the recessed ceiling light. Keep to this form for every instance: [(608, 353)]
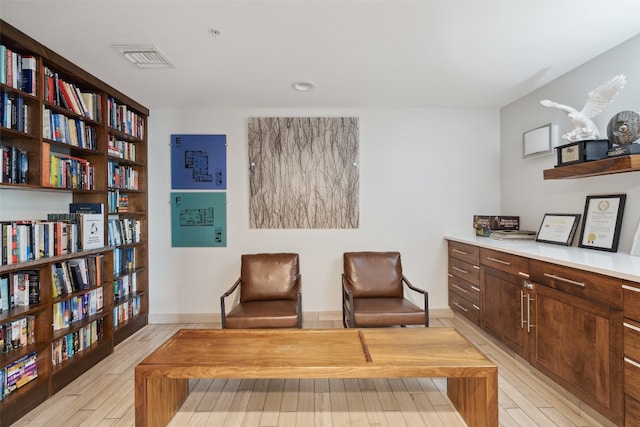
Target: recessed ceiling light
[(303, 86)]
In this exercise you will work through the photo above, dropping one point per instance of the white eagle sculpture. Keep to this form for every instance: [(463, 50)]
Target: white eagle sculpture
[(598, 99)]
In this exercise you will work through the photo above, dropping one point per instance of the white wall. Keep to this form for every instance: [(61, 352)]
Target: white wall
[(524, 192), (423, 173)]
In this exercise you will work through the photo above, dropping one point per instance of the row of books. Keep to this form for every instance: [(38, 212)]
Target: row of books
[(124, 260), (77, 274), (71, 344), (124, 286), (76, 308), (68, 95), (75, 132), (17, 334), (121, 149), (123, 231), (118, 202), (66, 171), (120, 117), (120, 176), (14, 112), (125, 311), (17, 374), (14, 166), (27, 240), (17, 70), (19, 289)]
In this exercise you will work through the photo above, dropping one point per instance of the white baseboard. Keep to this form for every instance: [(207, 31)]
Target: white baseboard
[(311, 316)]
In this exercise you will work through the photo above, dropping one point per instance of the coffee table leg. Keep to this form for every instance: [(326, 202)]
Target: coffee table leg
[(476, 398), (158, 399)]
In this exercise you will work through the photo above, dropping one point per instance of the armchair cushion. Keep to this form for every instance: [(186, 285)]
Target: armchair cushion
[(387, 311), (373, 274), (263, 314), (269, 277)]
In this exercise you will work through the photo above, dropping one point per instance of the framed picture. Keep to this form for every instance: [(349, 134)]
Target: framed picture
[(602, 222), (538, 141), (558, 229), (635, 247)]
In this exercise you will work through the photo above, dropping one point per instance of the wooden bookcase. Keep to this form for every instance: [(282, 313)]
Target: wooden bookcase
[(108, 157)]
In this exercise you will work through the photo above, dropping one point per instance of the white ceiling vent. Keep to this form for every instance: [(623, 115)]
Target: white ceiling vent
[(144, 56)]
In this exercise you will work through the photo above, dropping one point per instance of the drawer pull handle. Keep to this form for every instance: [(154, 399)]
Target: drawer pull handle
[(562, 279), (458, 251), (631, 288), (476, 307), (476, 267), (475, 288), (498, 260), (523, 274), (630, 326), (460, 307), (460, 289), (632, 362), (460, 270)]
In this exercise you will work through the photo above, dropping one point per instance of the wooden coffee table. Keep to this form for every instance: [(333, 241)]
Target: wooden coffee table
[(162, 379)]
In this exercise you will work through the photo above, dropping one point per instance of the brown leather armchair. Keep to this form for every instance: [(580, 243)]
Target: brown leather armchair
[(270, 296), (373, 292)]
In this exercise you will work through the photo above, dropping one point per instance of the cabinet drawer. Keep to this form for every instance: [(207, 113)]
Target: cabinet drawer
[(464, 307), (632, 412), (631, 300), (467, 290), (464, 252), (464, 270), (632, 378), (632, 339), (513, 264), (593, 286)]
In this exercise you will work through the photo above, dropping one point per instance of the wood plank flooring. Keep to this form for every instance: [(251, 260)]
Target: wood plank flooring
[(104, 396)]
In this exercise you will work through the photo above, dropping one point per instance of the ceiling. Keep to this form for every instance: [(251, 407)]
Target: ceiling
[(359, 54)]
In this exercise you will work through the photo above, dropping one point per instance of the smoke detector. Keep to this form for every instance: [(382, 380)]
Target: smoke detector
[(144, 56)]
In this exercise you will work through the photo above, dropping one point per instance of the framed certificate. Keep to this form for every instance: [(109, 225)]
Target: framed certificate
[(602, 222), (558, 229)]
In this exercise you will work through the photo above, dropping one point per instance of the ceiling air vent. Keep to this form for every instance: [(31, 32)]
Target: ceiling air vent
[(144, 56)]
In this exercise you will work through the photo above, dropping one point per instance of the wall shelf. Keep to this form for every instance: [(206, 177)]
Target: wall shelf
[(622, 164)]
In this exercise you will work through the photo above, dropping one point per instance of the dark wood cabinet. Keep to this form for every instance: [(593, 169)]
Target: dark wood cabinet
[(464, 280), (506, 299), (506, 304), (577, 343), (631, 327), (568, 323)]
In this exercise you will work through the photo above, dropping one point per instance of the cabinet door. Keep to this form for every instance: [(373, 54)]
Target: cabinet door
[(504, 308), (578, 344)]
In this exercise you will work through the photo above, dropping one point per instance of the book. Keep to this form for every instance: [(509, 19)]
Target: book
[(93, 208), (5, 296), (20, 289), (513, 235), (91, 231), (29, 74)]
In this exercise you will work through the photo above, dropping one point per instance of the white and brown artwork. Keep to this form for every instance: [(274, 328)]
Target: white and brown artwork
[(303, 172)]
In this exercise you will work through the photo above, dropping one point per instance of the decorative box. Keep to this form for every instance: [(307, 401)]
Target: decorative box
[(485, 224), (623, 150), (582, 151)]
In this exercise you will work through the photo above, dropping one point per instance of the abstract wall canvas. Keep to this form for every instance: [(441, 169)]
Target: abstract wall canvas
[(303, 172), (198, 219), (199, 162)]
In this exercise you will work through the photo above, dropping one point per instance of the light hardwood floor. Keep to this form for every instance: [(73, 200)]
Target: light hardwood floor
[(104, 396)]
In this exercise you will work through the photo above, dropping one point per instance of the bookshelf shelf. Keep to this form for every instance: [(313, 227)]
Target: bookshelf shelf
[(65, 123)]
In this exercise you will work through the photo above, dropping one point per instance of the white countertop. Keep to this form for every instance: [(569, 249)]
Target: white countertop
[(622, 266)]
